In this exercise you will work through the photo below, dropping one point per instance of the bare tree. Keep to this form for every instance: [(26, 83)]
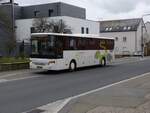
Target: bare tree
[(42, 25)]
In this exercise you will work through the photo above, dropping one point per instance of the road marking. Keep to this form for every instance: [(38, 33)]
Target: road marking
[(3, 80), (11, 80), (14, 74), (23, 78), (55, 107)]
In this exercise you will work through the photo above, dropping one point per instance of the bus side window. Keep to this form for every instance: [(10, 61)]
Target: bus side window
[(103, 45), (72, 44), (92, 44), (79, 43)]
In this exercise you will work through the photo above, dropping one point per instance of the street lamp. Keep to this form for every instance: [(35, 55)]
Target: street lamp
[(142, 34)]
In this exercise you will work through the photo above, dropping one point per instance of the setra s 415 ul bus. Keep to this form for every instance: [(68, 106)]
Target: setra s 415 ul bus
[(54, 51)]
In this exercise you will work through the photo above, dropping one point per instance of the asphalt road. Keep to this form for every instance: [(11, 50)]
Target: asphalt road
[(23, 95)]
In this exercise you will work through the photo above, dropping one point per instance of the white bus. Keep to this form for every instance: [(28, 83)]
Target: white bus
[(54, 51)]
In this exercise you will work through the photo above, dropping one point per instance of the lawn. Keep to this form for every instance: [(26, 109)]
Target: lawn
[(13, 60)]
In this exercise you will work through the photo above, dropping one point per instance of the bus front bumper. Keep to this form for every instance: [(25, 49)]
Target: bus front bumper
[(40, 67)]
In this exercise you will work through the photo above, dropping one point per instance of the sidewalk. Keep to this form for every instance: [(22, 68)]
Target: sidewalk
[(129, 59), (132, 96)]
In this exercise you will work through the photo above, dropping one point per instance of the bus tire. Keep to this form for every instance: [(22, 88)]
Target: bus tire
[(103, 62), (73, 65)]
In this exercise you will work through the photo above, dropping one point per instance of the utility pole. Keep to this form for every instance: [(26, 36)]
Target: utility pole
[(12, 16), (13, 24), (142, 40)]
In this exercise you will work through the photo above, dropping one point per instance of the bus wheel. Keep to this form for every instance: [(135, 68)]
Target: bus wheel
[(72, 66), (103, 62)]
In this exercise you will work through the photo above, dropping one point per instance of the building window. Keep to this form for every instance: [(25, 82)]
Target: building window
[(124, 39), (50, 11), (129, 28), (36, 13), (110, 29), (118, 27), (82, 30), (106, 29), (32, 29), (87, 30), (116, 38), (125, 28)]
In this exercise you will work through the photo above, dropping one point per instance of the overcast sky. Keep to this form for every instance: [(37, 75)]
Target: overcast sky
[(105, 9)]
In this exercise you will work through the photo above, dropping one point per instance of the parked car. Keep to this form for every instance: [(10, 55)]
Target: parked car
[(138, 53)]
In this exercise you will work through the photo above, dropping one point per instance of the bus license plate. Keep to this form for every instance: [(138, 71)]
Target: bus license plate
[(39, 67)]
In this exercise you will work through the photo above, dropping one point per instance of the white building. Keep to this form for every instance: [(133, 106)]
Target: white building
[(127, 34), (77, 26), (147, 24)]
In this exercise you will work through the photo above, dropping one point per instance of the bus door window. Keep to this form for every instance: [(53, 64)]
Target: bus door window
[(34, 46), (42, 46)]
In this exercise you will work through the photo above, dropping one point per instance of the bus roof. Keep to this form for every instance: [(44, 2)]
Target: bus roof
[(72, 35)]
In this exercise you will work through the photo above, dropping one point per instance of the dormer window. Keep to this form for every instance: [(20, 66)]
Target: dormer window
[(110, 29), (125, 28), (106, 29), (129, 28), (117, 27)]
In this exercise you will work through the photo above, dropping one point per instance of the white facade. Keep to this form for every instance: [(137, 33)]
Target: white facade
[(127, 43), (121, 46), (23, 31), (148, 30)]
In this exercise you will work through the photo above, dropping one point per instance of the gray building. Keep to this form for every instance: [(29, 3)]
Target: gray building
[(44, 10), (36, 11), (52, 10)]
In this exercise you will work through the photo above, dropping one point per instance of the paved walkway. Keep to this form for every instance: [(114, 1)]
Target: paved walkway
[(129, 59), (131, 96)]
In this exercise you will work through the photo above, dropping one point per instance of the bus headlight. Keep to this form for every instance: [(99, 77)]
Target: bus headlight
[(51, 62)]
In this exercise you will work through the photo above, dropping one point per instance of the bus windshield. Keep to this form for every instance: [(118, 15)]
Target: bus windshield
[(46, 47)]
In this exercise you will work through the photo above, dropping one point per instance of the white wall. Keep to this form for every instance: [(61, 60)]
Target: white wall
[(120, 45), (148, 29), (23, 29), (139, 35), (23, 26), (76, 25)]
